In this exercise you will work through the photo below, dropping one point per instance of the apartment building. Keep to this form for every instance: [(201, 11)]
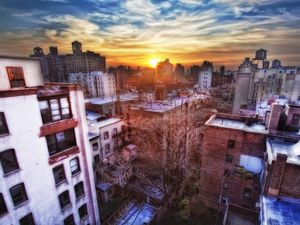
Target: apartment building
[(46, 169), (255, 84), (205, 75), (95, 84), (232, 163), (55, 67)]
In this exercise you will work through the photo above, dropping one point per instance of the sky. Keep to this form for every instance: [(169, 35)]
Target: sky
[(134, 32)]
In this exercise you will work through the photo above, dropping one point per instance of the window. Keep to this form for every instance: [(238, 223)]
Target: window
[(225, 185), (226, 173), (296, 119), (231, 143), (79, 190), (69, 220), (75, 166), (18, 194), (3, 208), (82, 212), (59, 174), (55, 109), (95, 146), (229, 158), (107, 148), (64, 199), (3, 124), (105, 135), (96, 159), (9, 161), (15, 76), (115, 130), (60, 141), (27, 220), (116, 143), (247, 193), (224, 200)]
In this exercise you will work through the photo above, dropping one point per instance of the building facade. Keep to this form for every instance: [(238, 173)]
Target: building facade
[(46, 173), (205, 75), (55, 67), (95, 84)]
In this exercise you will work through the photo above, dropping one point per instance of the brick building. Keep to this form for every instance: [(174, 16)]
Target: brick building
[(231, 164)]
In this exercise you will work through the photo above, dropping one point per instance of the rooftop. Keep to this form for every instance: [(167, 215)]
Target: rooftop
[(166, 105), (104, 186), (285, 146), (279, 212), (236, 122), (128, 96), (138, 214)]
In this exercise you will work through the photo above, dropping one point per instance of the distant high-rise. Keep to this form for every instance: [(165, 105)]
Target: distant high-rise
[(55, 67), (276, 63), (179, 70), (205, 75), (261, 54), (77, 48)]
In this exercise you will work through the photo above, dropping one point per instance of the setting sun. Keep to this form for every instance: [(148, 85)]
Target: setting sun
[(153, 62)]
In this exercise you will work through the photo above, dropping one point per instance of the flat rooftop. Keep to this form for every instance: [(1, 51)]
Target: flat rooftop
[(280, 212), (108, 122), (285, 146), (125, 97), (165, 105), (138, 214), (236, 123)]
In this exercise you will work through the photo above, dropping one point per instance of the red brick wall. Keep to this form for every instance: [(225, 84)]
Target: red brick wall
[(213, 163)]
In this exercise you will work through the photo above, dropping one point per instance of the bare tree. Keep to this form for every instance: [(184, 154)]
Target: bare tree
[(169, 146)]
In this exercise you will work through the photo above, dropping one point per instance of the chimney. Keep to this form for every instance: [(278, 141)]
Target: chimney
[(277, 175), (272, 123)]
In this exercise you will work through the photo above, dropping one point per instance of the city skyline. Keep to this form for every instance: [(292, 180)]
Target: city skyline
[(140, 32)]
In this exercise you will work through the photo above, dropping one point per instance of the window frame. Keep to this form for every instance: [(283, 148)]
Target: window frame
[(11, 73), (62, 200), (64, 174), (29, 216), (229, 158), (69, 220), (16, 164), (3, 207), (22, 190), (231, 143), (105, 135), (48, 116), (247, 193), (78, 170), (66, 143), (83, 209), (79, 194), (95, 146), (107, 150), (4, 124)]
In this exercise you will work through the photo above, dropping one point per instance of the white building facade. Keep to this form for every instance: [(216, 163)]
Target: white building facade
[(95, 84), (46, 172)]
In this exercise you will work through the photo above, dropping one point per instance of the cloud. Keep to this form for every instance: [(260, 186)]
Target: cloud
[(185, 31)]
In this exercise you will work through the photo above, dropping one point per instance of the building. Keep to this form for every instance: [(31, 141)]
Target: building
[(205, 75), (56, 67), (194, 73), (52, 64), (95, 84), (232, 163), (179, 70), (84, 62), (164, 72), (46, 169), (255, 84)]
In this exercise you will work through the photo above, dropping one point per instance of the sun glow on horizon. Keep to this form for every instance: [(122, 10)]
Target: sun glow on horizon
[(153, 62)]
